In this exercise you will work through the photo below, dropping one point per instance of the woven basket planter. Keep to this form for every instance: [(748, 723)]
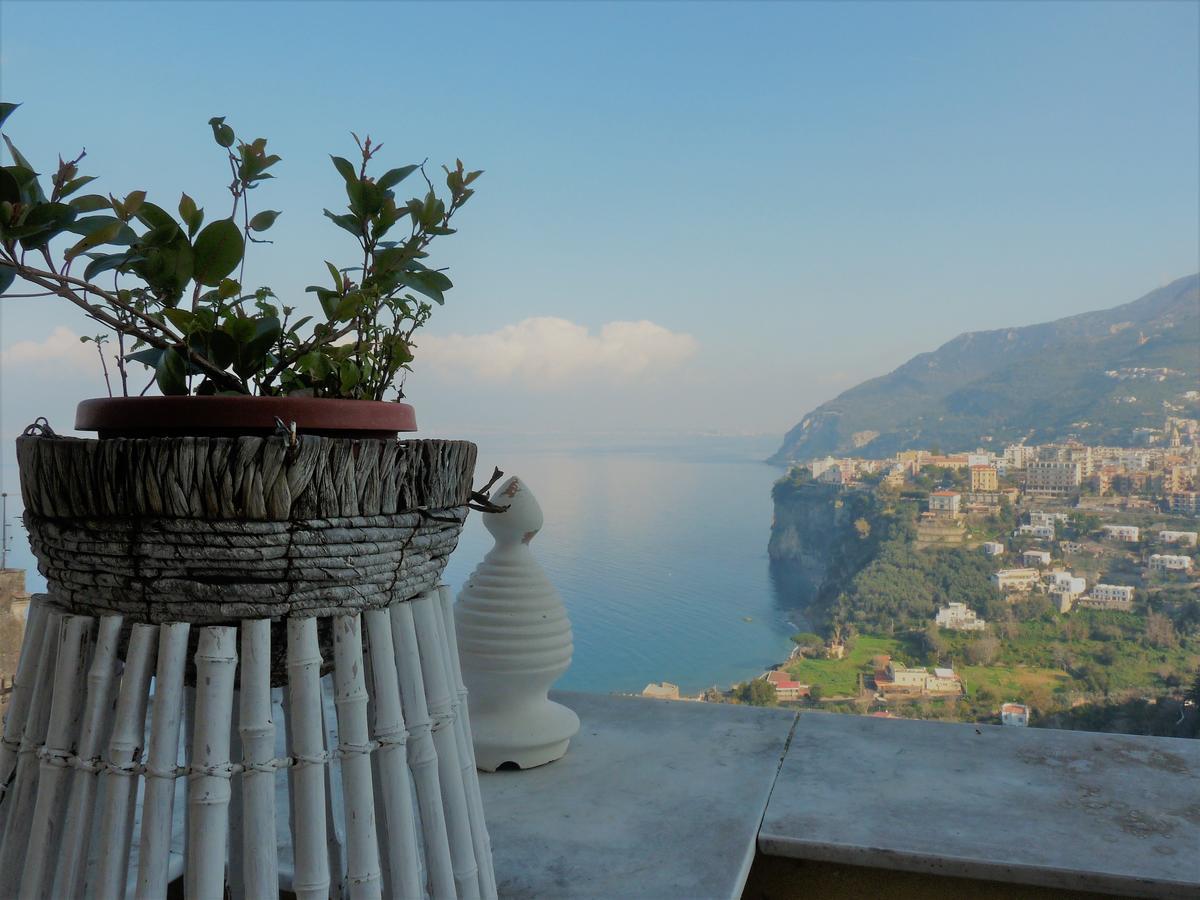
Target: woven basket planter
[(213, 530)]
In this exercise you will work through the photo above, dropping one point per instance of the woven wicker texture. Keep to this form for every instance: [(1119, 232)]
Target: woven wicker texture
[(209, 530)]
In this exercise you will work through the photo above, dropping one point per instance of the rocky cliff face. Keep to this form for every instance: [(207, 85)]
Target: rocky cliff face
[(814, 529)]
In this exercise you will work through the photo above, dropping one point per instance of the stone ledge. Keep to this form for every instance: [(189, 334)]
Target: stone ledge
[(1065, 809), (655, 799)]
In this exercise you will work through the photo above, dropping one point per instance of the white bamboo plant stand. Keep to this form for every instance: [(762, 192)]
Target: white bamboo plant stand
[(159, 740)]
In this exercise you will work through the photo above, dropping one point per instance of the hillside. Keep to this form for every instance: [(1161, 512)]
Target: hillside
[(1073, 376)]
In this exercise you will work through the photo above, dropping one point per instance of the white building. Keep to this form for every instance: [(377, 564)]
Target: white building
[(1041, 532), (944, 503), (993, 548), (1067, 583), (1109, 596), (1015, 579), (1036, 557), (1014, 714), (1166, 562), (820, 466), (1047, 518), (959, 617), (1017, 456), (1187, 538), (1128, 533)]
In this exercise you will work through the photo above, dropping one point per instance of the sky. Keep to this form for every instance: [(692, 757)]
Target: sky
[(695, 217)]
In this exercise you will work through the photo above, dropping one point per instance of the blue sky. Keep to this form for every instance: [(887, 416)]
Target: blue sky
[(796, 196)]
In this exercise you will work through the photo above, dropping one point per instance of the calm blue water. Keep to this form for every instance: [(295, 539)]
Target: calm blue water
[(659, 549), (660, 553)]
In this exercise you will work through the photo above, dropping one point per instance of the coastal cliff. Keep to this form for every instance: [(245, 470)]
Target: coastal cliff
[(821, 536)]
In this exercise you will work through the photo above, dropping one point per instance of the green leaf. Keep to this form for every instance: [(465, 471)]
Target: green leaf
[(393, 177), (251, 354), (75, 184), (89, 225), (263, 220), (221, 132), (345, 310), (10, 187), (349, 375), (345, 169), (180, 318), (317, 365), (7, 274), (150, 214), (134, 202), (347, 222), (90, 203), (171, 373), (28, 189), (428, 282), (46, 220), (167, 267), (221, 349), (227, 288), (106, 263), (6, 110), (101, 235), (335, 274), (148, 357), (218, 251), (18, 158)]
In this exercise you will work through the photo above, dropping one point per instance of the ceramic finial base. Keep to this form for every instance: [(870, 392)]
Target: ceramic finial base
[(514, 640)]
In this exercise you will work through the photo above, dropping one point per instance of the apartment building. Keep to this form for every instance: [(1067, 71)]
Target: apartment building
[(1166, 562), (1036, 557), (945, 503), (1128, 533), (1053, 478), (1109, 596), (984, 479), (1041, 532), (1185, 538), (1008, 580), (959, 617)]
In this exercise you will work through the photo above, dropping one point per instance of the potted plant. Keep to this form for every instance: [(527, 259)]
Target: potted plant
[(169, 289), (274, 429)]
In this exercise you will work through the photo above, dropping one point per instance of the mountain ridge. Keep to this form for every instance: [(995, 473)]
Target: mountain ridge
[(1042, 382)]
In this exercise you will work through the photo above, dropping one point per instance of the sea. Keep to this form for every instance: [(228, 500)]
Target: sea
[(658, 545)]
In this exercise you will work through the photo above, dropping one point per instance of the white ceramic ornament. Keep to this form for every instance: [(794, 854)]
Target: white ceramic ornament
[(514, 639)]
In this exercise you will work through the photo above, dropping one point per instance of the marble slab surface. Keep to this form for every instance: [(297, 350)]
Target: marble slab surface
[(655, 798), (1056, 808)]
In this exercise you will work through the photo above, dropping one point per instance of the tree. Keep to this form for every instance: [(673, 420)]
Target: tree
[(808, 642), (815, 693), (757, 693), (932, 638), (863, 527), (983, 652), (1160, 632)]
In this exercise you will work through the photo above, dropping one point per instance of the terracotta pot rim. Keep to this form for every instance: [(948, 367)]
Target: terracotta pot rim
[(242, 415)]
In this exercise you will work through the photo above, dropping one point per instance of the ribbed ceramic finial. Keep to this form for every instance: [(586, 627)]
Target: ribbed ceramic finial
[(514, 639)]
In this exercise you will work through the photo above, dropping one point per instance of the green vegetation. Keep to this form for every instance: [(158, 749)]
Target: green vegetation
[(756, 693), (901, 587), (839, 677)]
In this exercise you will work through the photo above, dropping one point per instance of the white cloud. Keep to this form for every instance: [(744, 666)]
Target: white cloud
[(548, 352), (61, 350)]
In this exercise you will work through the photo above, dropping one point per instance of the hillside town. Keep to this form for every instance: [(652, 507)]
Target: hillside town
[(1058, 531)]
